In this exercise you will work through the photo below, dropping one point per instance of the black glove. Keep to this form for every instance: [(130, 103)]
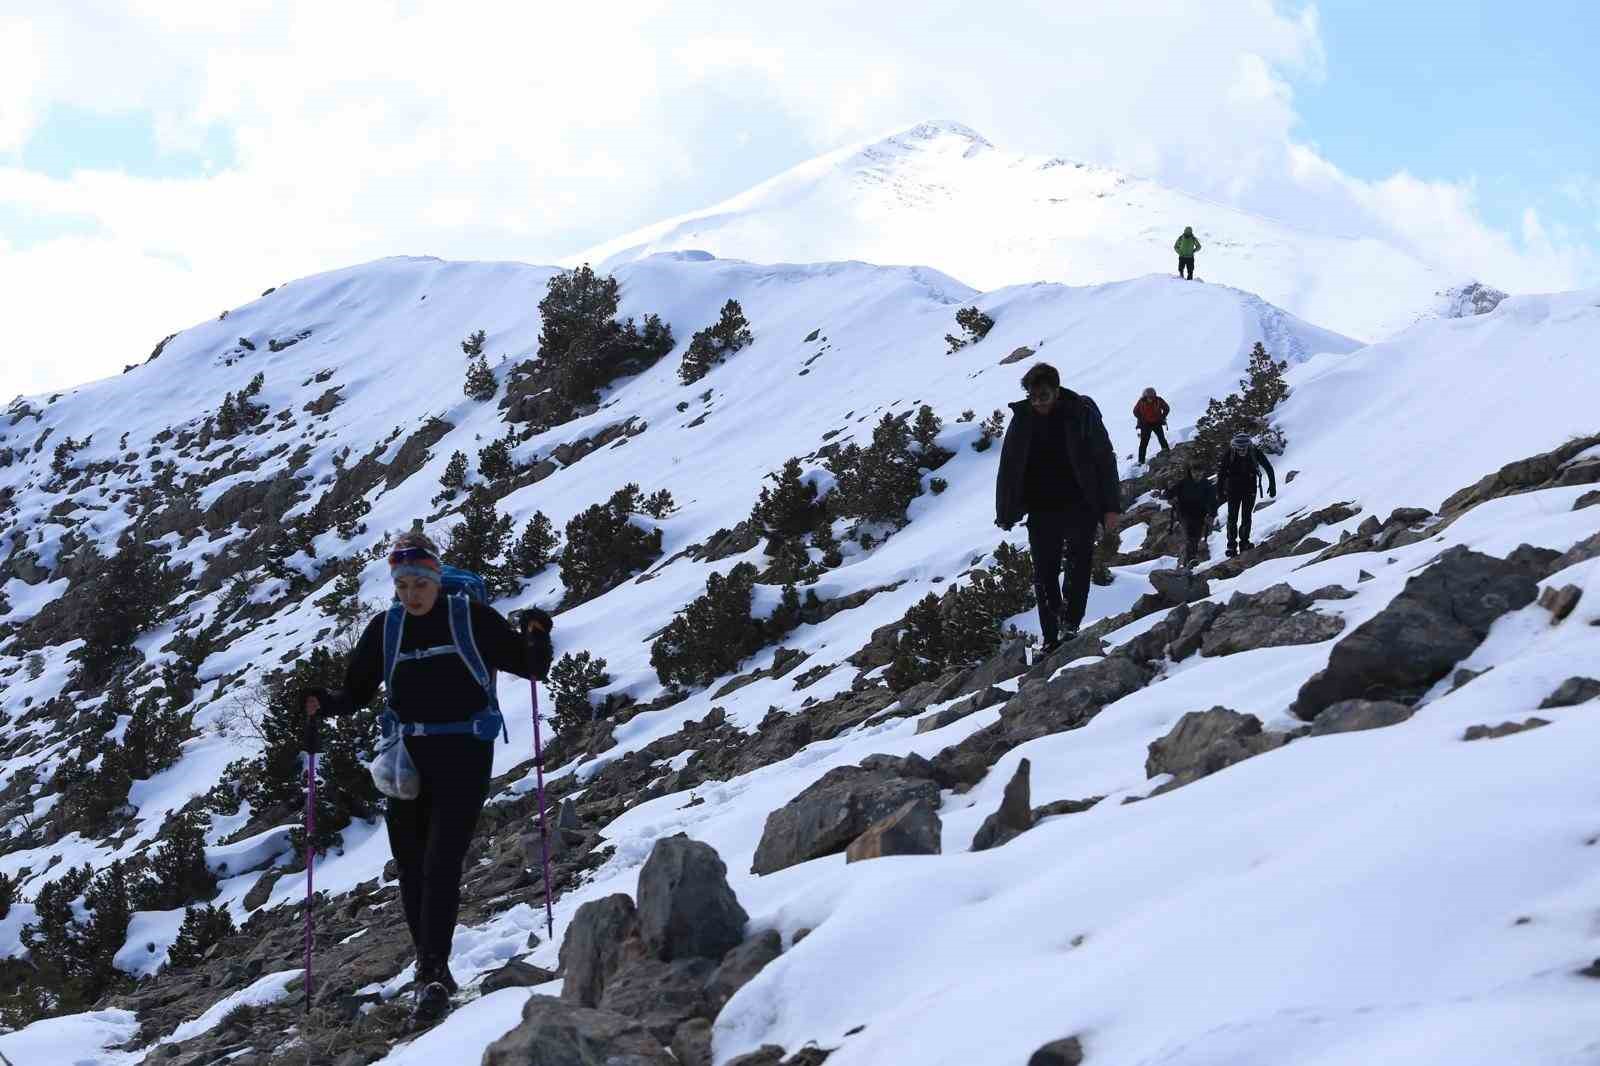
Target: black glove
[(536, 625), (311, 737)]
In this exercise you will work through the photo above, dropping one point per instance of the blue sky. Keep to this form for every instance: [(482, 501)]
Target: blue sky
[(1508, 94), (175, 159)]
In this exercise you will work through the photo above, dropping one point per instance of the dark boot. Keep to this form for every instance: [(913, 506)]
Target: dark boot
[(432, 998)]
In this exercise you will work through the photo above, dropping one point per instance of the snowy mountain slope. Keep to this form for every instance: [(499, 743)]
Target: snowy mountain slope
[(939, 193), (923, 951)]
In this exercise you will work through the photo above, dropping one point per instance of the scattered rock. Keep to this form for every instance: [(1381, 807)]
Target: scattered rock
[(1201, 617), (1560, 601), (686, 908), (1353, 716), (262, 889), (1272, 618), (557, 1032), (1463, 675), (1362, 576), (1010, 661), (1504, 729), (913, 829), (1332, 592), (1014, 817), (516, 974), (595, 947), (740, 966), (832, 812), (1204, 742), (1043, 707), (1588, 499), (1437, 620), (1068, 1052), (978, 701), (1179, 586), (1571, 692), (1018, 356), (1064, 807)]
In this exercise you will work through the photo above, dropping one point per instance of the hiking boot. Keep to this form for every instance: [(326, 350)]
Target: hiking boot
[(1245, 545), (432, 1003), (439, 972), (1232, 551)]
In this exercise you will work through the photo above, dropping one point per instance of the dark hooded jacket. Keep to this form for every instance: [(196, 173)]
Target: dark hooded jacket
[(1194, 498), (1092, 463)]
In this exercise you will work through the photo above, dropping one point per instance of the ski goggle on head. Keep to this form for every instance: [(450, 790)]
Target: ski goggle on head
[(414, 562)]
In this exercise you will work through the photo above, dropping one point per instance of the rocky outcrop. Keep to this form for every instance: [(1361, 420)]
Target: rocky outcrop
[(1571, 692), (1015, 815), (1437, 620), (661, 996), (832, 812), (1504, 729), (1560, 466), (740, 966), (913, 829), (559, 1032), (596, 946), (686, 908), (1353, 716), (1068, 701), (1204, 742), (1272, 618)]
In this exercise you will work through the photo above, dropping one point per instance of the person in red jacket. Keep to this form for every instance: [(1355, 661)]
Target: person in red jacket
[(1151, 414)]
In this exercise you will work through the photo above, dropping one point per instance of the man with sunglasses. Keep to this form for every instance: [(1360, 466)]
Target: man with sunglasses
[(1058, 469)]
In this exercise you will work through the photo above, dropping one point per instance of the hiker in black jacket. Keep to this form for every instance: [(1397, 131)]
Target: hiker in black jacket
[(1195, 501), (434, 688), (1058, 469), (1236, 481)]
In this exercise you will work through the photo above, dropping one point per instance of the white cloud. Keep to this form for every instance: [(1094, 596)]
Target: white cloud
[(476, 130)]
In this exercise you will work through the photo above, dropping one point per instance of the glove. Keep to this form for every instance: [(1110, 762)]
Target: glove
[(323, 697), (311, 737), (536, 626), (1273, 492)]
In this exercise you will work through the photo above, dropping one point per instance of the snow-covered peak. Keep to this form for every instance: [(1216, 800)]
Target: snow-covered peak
[(941, 194)]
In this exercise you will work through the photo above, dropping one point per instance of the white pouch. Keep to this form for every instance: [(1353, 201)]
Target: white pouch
[(393, 772)]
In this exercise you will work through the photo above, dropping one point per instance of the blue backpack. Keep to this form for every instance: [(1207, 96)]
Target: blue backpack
[(461, 588)]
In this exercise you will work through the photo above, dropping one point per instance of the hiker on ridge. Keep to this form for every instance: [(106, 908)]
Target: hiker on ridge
[(1150, 414), (442, 713), (1186, 245), (1058, 469), (1236, 481), (1194, 499)]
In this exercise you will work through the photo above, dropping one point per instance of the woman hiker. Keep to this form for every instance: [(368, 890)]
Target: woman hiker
[(433, 691)]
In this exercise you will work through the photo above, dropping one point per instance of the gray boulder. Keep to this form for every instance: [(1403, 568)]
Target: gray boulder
[(740, 966), (1152, 643), (1200, 618), (1068, 701), (596, 946), (1010, 661), (686, 908), (1272, 618), (1015, 815), (557, 1032), (1179, 586), (1437, 620), (1353, 716), (660, 995), (1204, 742), (1571, 692), (913, 829), (1068, 1052), (832, 812), (978, 701)]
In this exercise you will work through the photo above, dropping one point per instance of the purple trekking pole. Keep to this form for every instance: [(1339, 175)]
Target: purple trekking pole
[(544, 839), (311, 857)]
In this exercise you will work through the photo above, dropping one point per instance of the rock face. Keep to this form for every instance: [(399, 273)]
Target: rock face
[(1204, 742), (1043, 707), (557, 1032), (832, 812), (913, 829), (594, 947), (740, 966), (661, 996), (1571, 692), (686, 908), (1068, 1052), (1015, 815), (1272, 618), (1352, 716), (691, 1044), (1438, 619)]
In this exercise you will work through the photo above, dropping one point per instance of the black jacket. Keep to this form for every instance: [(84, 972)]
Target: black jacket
[(1094, 465), (1194, 498), (1236, 474), (439, 689)]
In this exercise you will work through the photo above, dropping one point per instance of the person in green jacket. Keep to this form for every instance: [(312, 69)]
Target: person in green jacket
[(1186, 246)]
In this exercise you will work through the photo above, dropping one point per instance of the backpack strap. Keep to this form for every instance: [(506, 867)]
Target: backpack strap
[(465, 645), (393, 626)]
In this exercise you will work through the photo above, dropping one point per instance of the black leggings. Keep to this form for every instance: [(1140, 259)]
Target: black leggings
[(430, 834), (1062, 598), (1241, 509), (1186, 266), (1144, 439)]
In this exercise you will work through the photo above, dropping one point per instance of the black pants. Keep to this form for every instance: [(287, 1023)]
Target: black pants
[(1052, 536), (1241, 508), (1186, 267), (430, 834), (1144, 439), (1194, 530)]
